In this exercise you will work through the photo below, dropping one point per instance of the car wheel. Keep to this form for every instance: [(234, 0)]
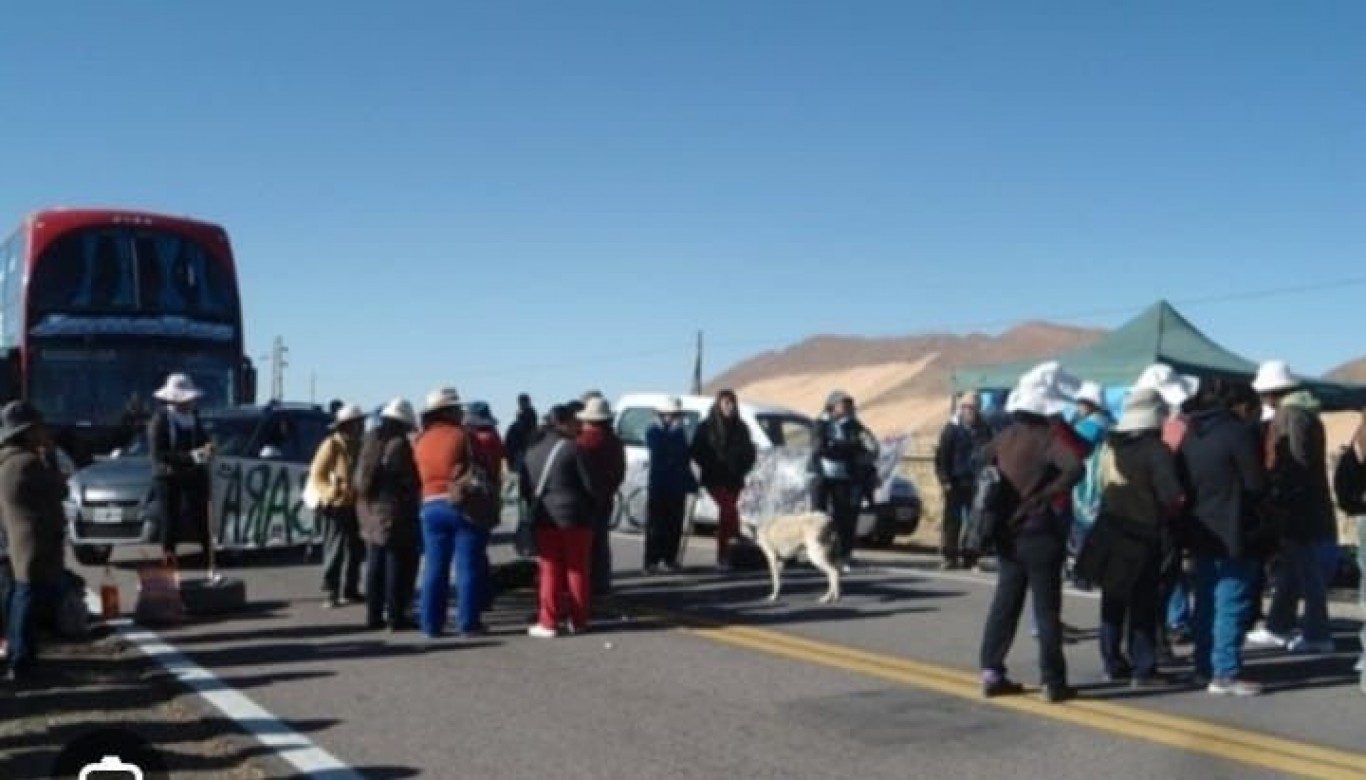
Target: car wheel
[(884, 534), (93, 554)]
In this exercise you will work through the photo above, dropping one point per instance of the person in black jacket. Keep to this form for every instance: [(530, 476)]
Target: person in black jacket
[(844, 452), (1140, 494), (1038, 469), (1225, 485), (1297, 456), (723, 449), (521, 433), (557, 485), (180, 450), (957, 461)]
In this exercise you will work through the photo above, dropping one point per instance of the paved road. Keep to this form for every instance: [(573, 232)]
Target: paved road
[(703, 678)]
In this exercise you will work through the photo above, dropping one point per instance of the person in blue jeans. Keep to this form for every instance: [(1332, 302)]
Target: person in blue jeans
[(1225, 483), (445, 455), (1179, 608)]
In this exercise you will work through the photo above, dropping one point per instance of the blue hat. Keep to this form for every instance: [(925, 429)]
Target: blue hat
[(479, 415)]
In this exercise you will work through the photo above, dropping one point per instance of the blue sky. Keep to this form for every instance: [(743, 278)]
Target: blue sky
[(551, 196)]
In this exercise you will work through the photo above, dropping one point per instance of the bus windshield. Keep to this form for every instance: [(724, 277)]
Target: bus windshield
[(130, 270), (72, 384)]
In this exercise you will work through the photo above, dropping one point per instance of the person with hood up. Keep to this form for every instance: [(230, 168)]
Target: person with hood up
[(957, 462), (180, 450), (32, 527), (388, 500), (605, 454), (557, 486), (670, 483), (843, 453), (1296, 457), (1140, 494), (329, 477), (723, 449), (521, 432), (1038, 468), (1225, 482)]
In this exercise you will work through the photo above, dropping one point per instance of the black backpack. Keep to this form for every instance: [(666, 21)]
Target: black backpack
[(1349, 482)]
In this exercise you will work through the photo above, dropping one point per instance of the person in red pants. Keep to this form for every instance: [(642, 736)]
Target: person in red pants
[(723, 450), (557, 485)]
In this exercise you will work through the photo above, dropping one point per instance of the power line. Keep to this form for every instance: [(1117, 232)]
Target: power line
[(1229, 297)]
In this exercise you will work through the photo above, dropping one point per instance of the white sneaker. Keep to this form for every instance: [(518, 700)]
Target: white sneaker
[(1301, 645), (539, 631), (1264, 638), (1234, 688), (1361, 664)]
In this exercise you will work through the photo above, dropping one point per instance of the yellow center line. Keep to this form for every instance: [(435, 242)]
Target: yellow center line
[(1226, 742)]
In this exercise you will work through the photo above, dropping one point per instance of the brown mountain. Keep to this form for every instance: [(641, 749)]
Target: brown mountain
[(1354, 372), (900, 383)]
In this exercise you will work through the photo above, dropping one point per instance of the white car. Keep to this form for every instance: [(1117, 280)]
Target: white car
[(782, 439)]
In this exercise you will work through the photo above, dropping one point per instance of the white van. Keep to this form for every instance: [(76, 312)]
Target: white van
[(770, 427)]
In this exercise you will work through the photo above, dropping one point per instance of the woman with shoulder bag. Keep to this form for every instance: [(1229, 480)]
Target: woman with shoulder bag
[(387, 501), (1140, 493), (446, 467)]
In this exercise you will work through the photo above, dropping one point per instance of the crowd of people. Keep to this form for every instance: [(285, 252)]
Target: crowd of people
[(424, 491), (1184, 511)]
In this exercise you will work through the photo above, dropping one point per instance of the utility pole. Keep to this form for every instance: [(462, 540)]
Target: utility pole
[(697, 367), (277, 369), (313, 387)]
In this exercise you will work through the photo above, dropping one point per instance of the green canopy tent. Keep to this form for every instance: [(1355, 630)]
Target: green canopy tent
[(1159, 334)]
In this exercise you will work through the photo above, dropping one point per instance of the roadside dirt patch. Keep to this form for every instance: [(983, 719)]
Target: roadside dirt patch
[(108, 683)]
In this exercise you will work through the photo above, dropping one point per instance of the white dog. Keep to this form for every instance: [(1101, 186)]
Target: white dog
[(782, 537)]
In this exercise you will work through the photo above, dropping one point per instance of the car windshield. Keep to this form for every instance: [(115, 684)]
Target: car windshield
[(786, 430), (295, 436), (100, 385), (231, 434), (635, 421)]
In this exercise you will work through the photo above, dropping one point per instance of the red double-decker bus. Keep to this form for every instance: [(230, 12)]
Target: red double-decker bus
[(97, 306)]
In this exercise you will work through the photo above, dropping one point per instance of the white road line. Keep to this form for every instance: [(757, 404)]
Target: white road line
[(292, 747)]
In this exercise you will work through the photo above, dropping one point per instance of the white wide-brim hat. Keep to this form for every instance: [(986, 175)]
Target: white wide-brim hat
[(1144, 410), (1174, 388), (348, 413), (441, 398), (597, 409), (179, 389), (1053, 376), (1036, 400), (1091, 393), (1275, 376), (1044, 390), (673, 405), (401, 411)]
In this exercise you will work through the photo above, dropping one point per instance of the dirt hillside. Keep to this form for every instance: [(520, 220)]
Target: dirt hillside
[(901, 384)]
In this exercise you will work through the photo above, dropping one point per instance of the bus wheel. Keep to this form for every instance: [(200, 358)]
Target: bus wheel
[(93, 554)]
